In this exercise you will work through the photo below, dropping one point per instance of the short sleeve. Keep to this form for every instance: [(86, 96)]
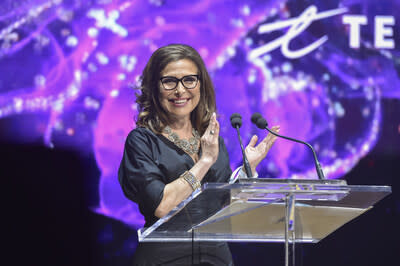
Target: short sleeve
[(139, 175)]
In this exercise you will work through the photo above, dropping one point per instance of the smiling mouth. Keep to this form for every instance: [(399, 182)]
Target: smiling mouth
[(179, 101)]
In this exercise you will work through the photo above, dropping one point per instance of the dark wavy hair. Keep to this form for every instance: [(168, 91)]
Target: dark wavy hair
[(151, 114)]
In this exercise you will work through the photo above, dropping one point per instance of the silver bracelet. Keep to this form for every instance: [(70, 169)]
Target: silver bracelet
[(191, 179)]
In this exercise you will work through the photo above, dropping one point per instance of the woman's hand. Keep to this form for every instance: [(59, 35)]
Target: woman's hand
[(255, 154), (178, 190), (209, 142)]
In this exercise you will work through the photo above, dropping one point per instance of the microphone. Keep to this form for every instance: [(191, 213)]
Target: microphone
[(261, 123), (236, 122)]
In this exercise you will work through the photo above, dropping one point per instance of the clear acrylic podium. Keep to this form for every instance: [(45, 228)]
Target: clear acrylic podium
[(265, 210)]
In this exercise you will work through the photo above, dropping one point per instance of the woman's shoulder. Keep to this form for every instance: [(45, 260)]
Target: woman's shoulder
[(141, 134), (139, 131)]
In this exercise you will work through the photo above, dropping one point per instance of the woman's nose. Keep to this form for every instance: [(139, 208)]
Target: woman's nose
[(179, 89)]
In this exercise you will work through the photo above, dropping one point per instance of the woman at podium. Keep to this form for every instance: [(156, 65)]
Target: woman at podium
[(175, 148)]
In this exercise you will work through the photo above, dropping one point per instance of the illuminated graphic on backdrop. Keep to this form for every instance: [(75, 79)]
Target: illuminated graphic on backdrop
[(74, 64)]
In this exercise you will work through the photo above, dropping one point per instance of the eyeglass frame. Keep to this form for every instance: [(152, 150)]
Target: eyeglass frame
[(181, 81)]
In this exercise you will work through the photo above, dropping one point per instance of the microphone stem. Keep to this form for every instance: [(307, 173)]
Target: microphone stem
[(317, 164), (246, 164)]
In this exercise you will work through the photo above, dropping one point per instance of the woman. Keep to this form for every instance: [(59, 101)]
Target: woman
[(176, 147)]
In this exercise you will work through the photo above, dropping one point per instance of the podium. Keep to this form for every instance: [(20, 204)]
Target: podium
[(265, 210)]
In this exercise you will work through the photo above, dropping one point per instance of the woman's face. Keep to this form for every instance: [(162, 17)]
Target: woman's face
[(180, 101)]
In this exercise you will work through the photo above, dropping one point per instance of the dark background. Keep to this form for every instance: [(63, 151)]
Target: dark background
[(49, 194)]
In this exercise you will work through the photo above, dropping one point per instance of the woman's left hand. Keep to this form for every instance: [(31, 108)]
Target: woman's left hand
[(255, 154)]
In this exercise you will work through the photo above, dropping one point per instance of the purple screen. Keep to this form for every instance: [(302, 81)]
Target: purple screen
[(318, 69)]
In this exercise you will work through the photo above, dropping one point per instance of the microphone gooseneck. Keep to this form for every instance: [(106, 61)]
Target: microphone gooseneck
[(261, 123), (236, 122)]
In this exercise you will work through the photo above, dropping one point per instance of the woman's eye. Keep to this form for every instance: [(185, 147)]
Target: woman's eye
[(189, 80), (169, 80)]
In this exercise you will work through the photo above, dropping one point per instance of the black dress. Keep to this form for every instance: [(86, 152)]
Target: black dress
[(151, 161)]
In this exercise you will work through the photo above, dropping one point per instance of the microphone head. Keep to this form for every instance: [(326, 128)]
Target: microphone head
[(236, 120), (235, 115), (261, 123), (255, 117)]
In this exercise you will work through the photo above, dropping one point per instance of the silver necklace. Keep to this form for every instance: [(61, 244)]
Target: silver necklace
[(190, 146)]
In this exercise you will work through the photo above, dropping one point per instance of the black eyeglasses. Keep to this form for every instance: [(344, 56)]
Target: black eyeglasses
[(170, 83)]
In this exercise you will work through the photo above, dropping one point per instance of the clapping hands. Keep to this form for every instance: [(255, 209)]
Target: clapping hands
[(256, 153)]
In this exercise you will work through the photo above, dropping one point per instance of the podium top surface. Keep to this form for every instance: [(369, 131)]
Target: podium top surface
[(254, 210)]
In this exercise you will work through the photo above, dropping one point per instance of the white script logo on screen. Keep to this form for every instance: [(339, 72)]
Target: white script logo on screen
[(383, 32)]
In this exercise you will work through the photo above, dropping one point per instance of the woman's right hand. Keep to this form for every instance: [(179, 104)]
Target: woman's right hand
[(209, 142), (179, 189)]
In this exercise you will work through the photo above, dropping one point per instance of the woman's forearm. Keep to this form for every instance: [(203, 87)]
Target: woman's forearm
[(178, 190)]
